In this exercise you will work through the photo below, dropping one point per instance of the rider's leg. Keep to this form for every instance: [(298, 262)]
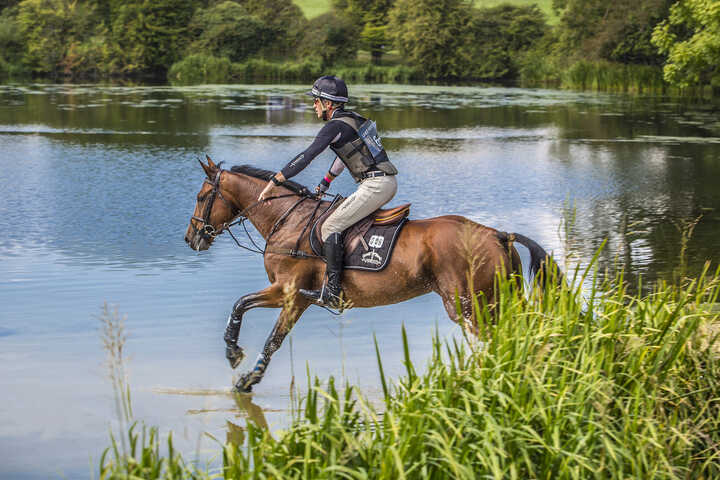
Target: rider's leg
[(372, 194)]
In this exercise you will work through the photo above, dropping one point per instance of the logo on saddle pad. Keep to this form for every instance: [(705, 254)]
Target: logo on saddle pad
[(372, 258), (376, 241)]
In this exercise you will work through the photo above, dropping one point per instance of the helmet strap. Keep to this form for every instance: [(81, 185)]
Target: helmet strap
[(324, 110)]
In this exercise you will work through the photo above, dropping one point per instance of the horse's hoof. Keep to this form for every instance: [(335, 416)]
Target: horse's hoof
[(235, 356), (238, 389), (244, 385)]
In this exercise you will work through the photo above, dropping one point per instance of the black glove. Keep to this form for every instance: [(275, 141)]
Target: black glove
[(322, 187)]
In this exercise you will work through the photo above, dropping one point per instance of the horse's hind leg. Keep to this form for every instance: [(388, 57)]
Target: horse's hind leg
[(271, 296), (288, 316)]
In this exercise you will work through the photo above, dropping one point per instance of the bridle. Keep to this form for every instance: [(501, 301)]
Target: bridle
[(207, 231)]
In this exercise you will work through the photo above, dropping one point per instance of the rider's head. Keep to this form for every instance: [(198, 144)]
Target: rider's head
[(330, 93)]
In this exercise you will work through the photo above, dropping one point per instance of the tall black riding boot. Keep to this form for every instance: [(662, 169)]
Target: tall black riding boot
[(329, 294)]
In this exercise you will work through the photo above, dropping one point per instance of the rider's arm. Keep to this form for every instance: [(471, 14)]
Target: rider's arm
[(336, 169), (328, 134)]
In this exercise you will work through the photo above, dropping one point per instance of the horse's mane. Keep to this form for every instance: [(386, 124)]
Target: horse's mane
[(267, 175)]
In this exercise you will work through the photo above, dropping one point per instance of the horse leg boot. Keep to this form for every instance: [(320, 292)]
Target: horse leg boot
[(233, 352), (282, 327), (329, 294), (268, 297)]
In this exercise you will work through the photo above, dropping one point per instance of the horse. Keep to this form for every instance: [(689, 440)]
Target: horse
[(449, 255)]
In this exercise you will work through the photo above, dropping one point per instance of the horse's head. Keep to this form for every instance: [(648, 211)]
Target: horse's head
[(210, 215)]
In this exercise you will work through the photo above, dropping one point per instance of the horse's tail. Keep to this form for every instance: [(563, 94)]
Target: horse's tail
[(542, 264)]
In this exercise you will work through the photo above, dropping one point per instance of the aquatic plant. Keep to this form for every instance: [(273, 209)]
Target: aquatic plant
[(568, 383)]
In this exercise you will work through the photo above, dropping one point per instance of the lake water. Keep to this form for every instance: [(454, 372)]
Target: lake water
[(98, 182)]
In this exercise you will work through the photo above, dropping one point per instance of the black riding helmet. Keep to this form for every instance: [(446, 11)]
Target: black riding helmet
[(330, 87)]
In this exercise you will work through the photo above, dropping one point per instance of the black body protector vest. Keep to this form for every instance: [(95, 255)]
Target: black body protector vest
[(366, 152)]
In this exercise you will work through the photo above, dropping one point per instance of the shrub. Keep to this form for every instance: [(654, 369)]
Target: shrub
[(200, 68)]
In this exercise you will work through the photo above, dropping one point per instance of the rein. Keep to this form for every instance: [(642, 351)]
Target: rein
[(208, 231)]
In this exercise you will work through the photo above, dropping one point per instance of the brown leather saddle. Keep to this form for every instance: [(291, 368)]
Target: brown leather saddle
[(368, 243)]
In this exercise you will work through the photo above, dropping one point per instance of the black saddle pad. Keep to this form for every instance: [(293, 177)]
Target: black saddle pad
[(372, 252)]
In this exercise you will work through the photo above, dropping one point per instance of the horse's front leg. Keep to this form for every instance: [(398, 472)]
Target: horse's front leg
[(271, 296), (288, 317)]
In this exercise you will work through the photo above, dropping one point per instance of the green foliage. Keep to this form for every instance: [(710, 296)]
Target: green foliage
[(369, 22), (143, 460), (148, 36), (691, 39), (431, 35), (329, 38), (200, 68), (597, 29), (8, 3), (498, 36), (285, 21), (259, 70), (227, 30), (379, 74), (11, 45), (601, 75), (50, 28)]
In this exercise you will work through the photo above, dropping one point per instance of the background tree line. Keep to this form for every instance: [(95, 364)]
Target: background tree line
[(220, 40)]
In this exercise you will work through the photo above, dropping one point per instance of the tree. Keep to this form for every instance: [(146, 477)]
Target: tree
[(50, 28), (499, 35), (329, 37), (227, 30), (615, 31), (285, 20), (149, 35), (369, 22), (8, 3), (431, 35), (691, 39)]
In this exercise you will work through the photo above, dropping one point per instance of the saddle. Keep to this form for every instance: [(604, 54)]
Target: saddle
[(368, 243)]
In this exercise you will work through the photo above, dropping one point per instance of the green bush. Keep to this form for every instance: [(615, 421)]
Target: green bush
[(201, 68)]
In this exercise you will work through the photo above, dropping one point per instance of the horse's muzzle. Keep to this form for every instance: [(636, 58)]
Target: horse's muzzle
[(197, 242)]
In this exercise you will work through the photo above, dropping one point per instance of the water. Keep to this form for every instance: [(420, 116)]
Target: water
[(98, 183)]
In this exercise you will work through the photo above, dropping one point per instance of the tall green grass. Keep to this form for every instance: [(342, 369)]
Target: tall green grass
[(201, 68), (568, 383), (591, 75)]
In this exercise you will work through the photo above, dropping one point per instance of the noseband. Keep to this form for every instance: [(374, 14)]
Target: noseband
[(207, 231)]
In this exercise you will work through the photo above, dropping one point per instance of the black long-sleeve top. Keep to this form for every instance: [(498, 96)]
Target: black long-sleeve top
[(335, 134)]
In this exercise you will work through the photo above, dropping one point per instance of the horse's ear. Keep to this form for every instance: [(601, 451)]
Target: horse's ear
[(208, 169), (211, 164)]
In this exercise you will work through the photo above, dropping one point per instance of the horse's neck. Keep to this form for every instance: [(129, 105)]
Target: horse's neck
[(245, 191)]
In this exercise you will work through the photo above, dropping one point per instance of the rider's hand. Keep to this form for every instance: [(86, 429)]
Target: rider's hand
[(320, 189), (266, 191)]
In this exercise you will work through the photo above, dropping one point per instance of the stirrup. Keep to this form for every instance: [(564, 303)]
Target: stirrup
[(324, 298)]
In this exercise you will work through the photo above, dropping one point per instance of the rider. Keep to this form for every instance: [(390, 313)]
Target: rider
[(355, 141)]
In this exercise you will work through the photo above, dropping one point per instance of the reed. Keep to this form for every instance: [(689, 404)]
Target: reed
[(570, 383)]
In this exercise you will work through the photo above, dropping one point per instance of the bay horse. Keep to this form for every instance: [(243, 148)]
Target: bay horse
[(449, 255)]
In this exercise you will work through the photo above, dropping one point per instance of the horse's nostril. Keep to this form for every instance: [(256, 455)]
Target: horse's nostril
[(187, 240)]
